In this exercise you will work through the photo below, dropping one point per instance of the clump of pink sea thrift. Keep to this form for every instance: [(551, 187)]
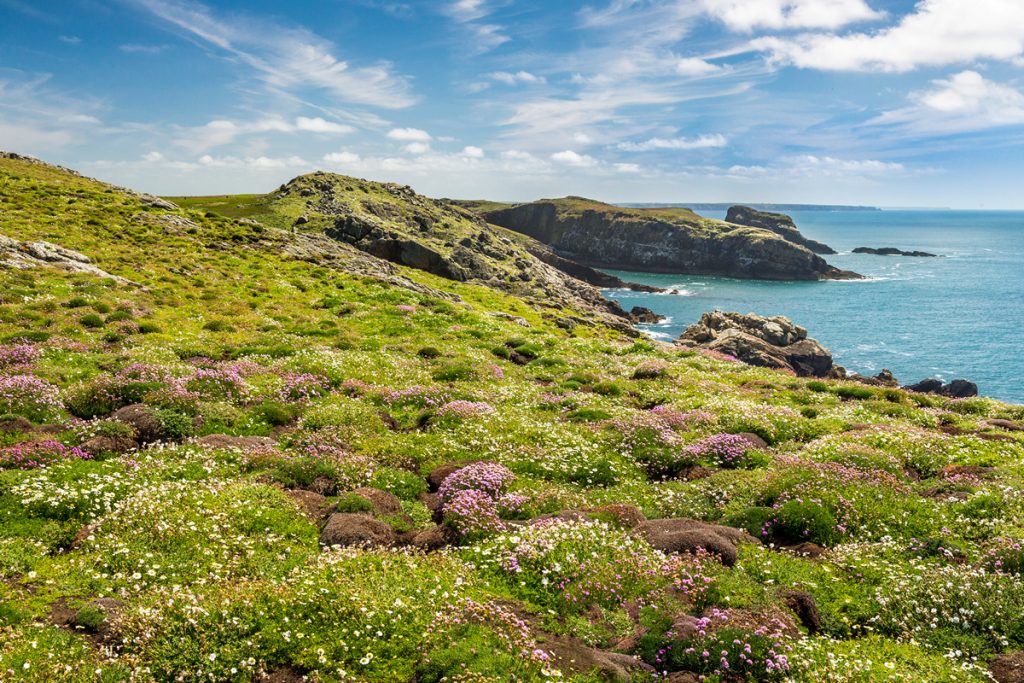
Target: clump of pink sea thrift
[(679, 419), (465, 409), (488, 477), (303, 387), (29, 396), (405, 308), (473, 514), (18, 354), (726, 450), (35, 454)]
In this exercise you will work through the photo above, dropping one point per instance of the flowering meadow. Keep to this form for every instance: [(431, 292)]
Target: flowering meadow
[(260, 466)]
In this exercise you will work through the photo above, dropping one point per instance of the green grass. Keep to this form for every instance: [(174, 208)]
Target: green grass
[(215, 555)]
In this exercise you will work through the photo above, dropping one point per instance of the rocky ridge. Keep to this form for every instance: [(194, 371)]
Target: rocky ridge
[(893, 251)]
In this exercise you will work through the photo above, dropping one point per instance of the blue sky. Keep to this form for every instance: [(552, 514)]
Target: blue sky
[(884, 102)]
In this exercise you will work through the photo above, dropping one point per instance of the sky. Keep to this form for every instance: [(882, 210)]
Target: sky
[(879, 102)]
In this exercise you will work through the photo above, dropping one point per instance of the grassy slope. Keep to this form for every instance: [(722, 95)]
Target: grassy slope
[(220, 572)]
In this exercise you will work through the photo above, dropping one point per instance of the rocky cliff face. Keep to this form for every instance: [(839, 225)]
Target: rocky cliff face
[(779, 223), (662, 241)]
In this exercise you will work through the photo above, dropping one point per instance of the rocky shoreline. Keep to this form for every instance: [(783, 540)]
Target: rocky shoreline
[(776, 342)]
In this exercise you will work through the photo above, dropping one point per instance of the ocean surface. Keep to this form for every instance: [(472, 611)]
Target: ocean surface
[(959, 316)]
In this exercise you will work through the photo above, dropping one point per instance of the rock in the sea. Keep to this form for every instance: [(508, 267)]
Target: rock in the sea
[(779, 223), (640, 314), (958, 388), (757, 340), (893, 251)]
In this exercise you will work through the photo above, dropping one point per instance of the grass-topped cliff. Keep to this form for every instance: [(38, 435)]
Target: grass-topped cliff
[(662, 240), (231, 451)]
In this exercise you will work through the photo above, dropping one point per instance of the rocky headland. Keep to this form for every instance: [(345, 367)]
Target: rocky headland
[(779, 223), (664, 241)]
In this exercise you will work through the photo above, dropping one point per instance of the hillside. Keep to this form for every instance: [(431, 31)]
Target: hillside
[(663, 240), (238, 449)]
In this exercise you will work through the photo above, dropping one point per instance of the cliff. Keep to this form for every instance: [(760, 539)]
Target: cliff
[(662, 241), (779, 223)]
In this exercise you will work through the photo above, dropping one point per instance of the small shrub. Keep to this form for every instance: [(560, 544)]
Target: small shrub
[(91, 321)]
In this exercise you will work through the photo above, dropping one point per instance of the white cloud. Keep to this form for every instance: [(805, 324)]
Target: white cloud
[(341, 158), (70, 40), (319, 125), (519, 77), (472, 152), (627, 168), (571, 158), (702, 142), (965, 101), (937, 33), (695, 66), (747, 15), (410, 135), (516, 155), (135, 48), (153, 157), (418, 148), (290, 59)]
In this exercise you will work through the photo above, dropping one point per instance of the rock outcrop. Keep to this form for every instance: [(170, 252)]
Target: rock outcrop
[(779, 223), (958, 388), (756, 340), (682, 535), (38, 254), (893, 251), (395, 224), (662, 241)]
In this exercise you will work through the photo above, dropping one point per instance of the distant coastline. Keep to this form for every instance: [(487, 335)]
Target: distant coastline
[(783, 208)]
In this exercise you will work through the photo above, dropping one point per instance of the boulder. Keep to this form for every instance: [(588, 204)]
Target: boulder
[(681, 535), (313, 505), (431, 539), (958, 388), (572, 656), (773, 342), (141, 418), (805, 608), (1008, 668), (108, 444), (346, 529), (15, 423), (384, 503)]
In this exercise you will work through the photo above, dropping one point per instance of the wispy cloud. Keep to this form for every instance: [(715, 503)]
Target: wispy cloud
[(220, 132), (290, 59), (70, 40), (517, 78), (36, 118), (702, 142), (471, 15)]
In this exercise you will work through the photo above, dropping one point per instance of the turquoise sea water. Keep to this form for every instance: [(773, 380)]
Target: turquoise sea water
[(961, 315)]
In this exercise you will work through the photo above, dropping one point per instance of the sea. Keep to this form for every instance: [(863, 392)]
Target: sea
[(957, 316)]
